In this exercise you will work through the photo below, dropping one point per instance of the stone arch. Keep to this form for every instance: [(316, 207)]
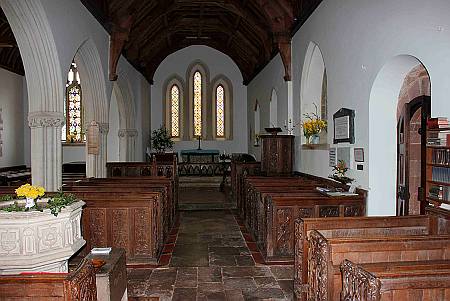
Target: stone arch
[(228, 87), (183, 122), (37, 47), (273, 109), (127, 132), (198, 65), (383, 103), (95, 100)]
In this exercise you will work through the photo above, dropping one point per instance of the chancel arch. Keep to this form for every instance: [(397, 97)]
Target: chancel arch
[(222, 108)]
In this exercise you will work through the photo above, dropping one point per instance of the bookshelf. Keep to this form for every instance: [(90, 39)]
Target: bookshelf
[(437, 190)]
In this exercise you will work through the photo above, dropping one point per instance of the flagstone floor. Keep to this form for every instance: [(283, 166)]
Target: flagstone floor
[(211, 257)]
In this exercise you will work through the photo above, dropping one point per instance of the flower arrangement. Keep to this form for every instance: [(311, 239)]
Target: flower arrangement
[(313, 124), (31, 193), (161, 140), (339, 173)]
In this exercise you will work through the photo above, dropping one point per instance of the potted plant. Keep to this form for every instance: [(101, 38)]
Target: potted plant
[(161, 140), (312, 127), (339, 173), (39, 232)]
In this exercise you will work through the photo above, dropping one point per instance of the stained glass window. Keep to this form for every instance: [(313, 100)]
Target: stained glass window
[(220, 111), (175, 111), (197, 103), (73, 108)]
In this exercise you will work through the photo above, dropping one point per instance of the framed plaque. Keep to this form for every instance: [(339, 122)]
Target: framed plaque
[(344, 126), (93, 138), (359, 154)]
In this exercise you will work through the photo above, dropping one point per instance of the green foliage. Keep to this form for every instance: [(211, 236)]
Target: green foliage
[(6, 197), (60, 201), (161, 140), (14, 208), (55, 204)]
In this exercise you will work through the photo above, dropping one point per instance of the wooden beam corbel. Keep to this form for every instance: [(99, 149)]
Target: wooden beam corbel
[(119, 35), (283, 41)]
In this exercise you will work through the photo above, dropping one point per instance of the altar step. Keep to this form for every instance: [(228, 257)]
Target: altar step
[(203, 198), (199, 182)]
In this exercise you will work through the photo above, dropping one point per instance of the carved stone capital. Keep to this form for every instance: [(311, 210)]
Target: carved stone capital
[(122, 133), (127, 133), (45, 119), (103, 128)]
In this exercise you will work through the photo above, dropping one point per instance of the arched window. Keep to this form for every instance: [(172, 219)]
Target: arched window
[(175, 111), (72, 131), (173, 106), (222, 108), (220, 111), (197, 80)]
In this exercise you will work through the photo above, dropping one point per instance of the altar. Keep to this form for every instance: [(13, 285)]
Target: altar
[(200, 155)]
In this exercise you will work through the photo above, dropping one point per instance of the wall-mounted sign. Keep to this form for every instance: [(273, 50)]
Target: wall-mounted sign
[(359, 154), (332, 157), (344, 126), (93, 138)]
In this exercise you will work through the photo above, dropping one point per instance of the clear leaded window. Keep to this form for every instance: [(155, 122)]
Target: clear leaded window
[(197, 103), (175, 111), (73, 109), (220, 111)]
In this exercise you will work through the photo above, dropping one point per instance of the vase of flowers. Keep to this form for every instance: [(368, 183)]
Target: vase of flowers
[(340, 170), (312, 126), (31, 193)]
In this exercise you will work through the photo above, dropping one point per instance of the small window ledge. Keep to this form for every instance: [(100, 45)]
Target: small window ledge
[(316, 146), (73, 143)]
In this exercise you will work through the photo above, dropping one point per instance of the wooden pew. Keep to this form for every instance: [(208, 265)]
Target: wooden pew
[(76, 286), (281, 210), (14, 175), (326, 254), (159, 184), (128, 220), (164, 205), (155, 168), (352, 227), (388, 281), (240, 170)]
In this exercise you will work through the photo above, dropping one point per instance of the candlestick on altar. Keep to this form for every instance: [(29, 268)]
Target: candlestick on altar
[(199, 138)]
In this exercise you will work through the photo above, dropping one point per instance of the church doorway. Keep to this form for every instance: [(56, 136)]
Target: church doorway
[(413, 110), (411, 142)]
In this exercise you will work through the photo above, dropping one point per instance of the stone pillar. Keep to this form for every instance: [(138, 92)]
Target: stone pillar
[(127, 144), (46, 149), (96, 164)]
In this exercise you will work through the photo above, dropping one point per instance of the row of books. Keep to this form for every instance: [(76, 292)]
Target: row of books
[(437, 123), (440, 156), (439, 192), (438, 138), (440, 174)]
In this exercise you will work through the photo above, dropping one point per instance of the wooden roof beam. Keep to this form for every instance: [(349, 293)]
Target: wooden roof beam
[(119, 35)]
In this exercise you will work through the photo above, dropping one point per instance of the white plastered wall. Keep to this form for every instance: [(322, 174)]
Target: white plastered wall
[(12, 132), (217, 63), (357, 38)]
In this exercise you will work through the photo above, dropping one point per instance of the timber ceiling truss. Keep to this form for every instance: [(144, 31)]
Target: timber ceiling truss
[(251, 32)]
